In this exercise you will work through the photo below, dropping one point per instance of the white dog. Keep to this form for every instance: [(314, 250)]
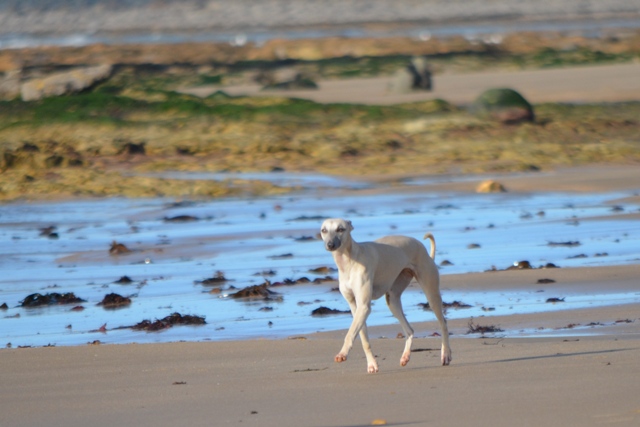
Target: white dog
[(384, 267)]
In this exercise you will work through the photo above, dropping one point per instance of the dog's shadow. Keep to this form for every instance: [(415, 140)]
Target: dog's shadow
[(552, 356), (510, 360)]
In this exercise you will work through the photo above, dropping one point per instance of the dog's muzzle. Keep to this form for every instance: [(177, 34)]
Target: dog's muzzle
[(332, 244)]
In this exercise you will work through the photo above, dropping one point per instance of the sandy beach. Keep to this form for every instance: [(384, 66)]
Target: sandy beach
[(580, 372), (576, 364)]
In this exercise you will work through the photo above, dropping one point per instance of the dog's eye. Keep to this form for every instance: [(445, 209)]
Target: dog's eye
[(323, 231), (340, 230)]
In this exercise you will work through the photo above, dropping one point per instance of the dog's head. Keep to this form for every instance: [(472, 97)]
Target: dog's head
[(335, 232)]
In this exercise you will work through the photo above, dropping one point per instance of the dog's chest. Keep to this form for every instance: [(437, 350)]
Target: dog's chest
[(342, 262)]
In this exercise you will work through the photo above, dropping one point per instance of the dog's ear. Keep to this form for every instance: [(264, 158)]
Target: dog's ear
[(350, 225)]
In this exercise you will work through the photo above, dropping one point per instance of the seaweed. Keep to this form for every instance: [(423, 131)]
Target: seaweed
[(114, 300), (118, 248), (568, 244), (323, 270), (325, 311), (49, 232), (256, 291), (298, 281), (454, 304), (181, 218), (281, 256), (217, 279), (479, 329), (168, 322), (54, 298)]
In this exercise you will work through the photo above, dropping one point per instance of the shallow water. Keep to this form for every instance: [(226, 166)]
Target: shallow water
[(245, 237)]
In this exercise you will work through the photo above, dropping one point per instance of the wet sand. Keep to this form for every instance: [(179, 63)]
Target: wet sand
[(580, 372)]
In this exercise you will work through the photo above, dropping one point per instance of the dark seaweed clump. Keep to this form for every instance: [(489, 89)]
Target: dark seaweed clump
[(480, 329), (181, 218), (114, 300), (118, 248), (256, 291), (454, 304), (218, 279), (54, 298), (168, 322), (325, 311)]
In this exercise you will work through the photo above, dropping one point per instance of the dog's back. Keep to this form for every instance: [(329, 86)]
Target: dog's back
[(412, 247)]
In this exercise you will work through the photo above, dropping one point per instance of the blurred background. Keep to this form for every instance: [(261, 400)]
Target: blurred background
[(30, 22)]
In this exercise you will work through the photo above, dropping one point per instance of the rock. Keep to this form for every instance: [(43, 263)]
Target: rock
[(490, 186), (64, 83), (504, 105), (10, 85)]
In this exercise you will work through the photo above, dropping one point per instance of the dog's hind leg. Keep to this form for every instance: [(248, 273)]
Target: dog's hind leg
[(430, 283), (395, 305)]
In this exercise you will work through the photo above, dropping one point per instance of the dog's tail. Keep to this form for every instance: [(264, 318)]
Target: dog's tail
[(433, 245)]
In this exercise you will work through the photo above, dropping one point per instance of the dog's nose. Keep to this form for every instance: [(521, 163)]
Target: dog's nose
[(330, 244)]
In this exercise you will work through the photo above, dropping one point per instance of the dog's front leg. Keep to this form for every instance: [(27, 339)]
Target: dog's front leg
[(360, 313)]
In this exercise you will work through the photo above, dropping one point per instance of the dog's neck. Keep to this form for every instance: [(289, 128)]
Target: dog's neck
[(345, 254)]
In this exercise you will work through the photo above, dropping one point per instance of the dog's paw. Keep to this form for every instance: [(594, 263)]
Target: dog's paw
[(405, 359), (372, 369), (340, 357), (446, 356)]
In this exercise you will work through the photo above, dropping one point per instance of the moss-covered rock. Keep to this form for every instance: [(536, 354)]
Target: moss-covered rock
[(505, 105)]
